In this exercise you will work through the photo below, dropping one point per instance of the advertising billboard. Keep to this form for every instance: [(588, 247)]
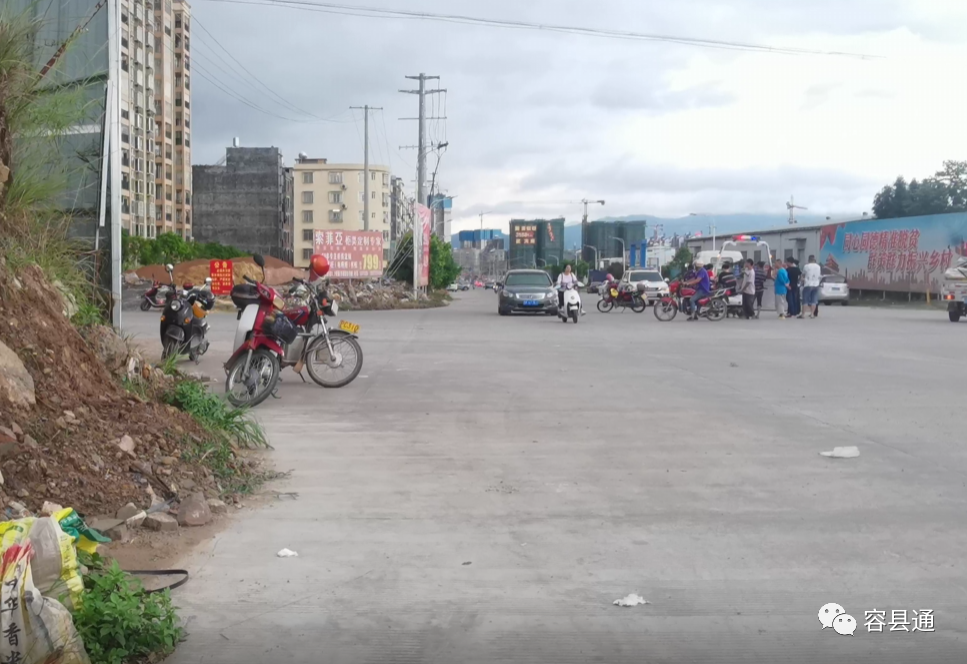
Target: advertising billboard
[(351, 254), (908, 254), (523, 244), (551, 241)]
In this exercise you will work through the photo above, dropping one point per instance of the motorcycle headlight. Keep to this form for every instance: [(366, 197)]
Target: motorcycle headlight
[(175, 305)]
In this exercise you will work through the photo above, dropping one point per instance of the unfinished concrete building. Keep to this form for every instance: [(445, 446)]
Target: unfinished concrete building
[(245, 203)]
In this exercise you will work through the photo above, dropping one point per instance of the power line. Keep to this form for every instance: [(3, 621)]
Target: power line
[(379, 12)]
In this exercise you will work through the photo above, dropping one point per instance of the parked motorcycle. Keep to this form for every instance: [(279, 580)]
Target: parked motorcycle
[(270, 336), (183, 325), (572, 303), (157, 296), (616, 297), (712, 307)]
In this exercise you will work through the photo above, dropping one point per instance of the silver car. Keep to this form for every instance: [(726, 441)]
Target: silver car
[(648, 282), (834, 288)]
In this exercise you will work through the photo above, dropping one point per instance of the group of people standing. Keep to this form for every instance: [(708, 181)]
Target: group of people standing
[(789, 279)]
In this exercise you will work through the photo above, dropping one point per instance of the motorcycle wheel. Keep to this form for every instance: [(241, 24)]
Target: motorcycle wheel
[(349, 356), (717, 310), (262, 379), (665, 310), (145, 305), (169, 349), (604, 306), (574, 316), (638, 305)]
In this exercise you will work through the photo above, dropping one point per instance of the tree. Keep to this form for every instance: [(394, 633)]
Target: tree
[(945, 192), (444, 268)]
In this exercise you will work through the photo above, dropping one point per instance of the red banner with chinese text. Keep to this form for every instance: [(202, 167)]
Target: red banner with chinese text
[(351, 254), (222, 277)]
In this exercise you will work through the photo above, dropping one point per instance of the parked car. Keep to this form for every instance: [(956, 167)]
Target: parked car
[(526, 291), (834, 288), (649, 282), (464, 286), (595, 286), (453, 288)]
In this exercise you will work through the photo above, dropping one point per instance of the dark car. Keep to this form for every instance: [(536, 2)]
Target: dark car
[(527, 291)]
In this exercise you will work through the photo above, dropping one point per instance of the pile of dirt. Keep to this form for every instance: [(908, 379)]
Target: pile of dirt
[(81, 440), (276, 271)]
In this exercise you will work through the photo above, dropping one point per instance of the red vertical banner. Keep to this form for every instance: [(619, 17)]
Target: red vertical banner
[(222, 277), (423, 214)]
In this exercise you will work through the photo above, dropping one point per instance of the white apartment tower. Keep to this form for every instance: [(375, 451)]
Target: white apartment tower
[(155, 117)]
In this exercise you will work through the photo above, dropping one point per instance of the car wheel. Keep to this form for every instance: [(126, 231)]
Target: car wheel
[(845, 303), (954, 316), (503, 312)]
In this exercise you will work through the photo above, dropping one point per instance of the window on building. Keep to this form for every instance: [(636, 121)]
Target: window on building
[(125, 114), (372, 195), (372, 176), (177, 101), (362, 219), (125, 181), (335, 216), (177, 41), (335, 178), (124, 62), (124, 17), (385, 179), (307, 197), (178, 119), (306, 254), (385, 236), (360, 174), (307, 177), (124, 37), (386, 217), (125, 158), (335, 197), (361, 198), (307, 235), (187, 82), (307, 216), (385, 200), (125, 133), (178, 20), (177, 138), (167, 130), (187, 139)]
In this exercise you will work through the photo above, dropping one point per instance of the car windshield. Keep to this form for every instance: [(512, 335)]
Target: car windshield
[(645, 276), (539, 279), (834, 279)]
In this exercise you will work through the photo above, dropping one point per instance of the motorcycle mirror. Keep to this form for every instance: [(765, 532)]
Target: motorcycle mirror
[(169, 267), (259, 260), (667, 281), (208, 280)]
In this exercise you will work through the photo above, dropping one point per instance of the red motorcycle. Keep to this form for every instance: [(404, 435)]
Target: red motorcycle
[(712, 307), (613, 296), (157, 296)]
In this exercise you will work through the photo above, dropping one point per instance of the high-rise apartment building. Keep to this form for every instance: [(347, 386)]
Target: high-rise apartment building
[(156, 117), (330, 197)]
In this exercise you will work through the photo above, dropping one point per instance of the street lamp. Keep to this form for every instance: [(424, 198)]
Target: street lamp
[(597, 265), (542, 261), (584, 219), (481, 227), (618, 239), (711, 226)]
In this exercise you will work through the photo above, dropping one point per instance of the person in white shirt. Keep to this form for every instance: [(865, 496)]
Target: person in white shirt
[(565, 278), (811, 276)]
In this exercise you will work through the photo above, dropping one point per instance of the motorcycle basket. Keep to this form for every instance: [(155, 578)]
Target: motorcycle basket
[(282, 328)]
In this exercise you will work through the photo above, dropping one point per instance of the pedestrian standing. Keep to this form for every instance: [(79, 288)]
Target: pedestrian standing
[(748, 289), (760, 285), (792, 296), (811, 275), (782, 288)]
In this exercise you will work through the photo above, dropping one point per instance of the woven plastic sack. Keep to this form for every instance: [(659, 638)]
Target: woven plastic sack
[(34, 629), (54, 563)]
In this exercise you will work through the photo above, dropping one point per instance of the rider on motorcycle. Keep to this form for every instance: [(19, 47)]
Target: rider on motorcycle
[(703, 287), (565, 278)]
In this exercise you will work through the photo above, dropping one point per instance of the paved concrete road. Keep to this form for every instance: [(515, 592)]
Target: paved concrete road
[(489, 486)]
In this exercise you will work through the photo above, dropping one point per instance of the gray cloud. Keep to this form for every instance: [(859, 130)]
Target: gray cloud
[(518, 101)]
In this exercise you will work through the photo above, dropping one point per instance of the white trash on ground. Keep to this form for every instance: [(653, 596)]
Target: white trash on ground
[(631, 600), (849, 452), (286, 553)]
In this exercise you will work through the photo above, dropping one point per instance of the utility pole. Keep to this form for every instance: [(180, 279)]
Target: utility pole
[(584, 227), (421, 143), (365, 110)]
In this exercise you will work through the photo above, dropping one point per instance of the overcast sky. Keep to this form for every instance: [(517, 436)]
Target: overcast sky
[(539, 120)]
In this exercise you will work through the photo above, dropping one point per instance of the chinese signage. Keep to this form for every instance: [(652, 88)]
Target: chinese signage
[(909, 254), (351, 254), (525, 234), (423, 214), (222, 277), (877, 620)]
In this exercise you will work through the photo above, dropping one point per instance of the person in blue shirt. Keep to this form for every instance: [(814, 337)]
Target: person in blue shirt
[(782, 288), (703, 287)]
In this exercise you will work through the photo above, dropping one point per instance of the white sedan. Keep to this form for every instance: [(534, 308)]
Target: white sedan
[(833, 288), (649, 282)]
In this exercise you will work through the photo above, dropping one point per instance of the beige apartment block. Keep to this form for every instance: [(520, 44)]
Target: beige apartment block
[(330, 197), (155, 117)]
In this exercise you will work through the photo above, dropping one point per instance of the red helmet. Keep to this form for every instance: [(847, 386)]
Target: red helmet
[(319, 265)]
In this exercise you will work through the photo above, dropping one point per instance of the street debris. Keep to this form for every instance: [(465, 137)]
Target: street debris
[(468, 563), (287, 553), (631, 600), (848, 452)]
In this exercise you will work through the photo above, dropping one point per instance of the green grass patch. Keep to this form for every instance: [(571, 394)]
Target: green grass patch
[(216, 415), (119, 621)]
